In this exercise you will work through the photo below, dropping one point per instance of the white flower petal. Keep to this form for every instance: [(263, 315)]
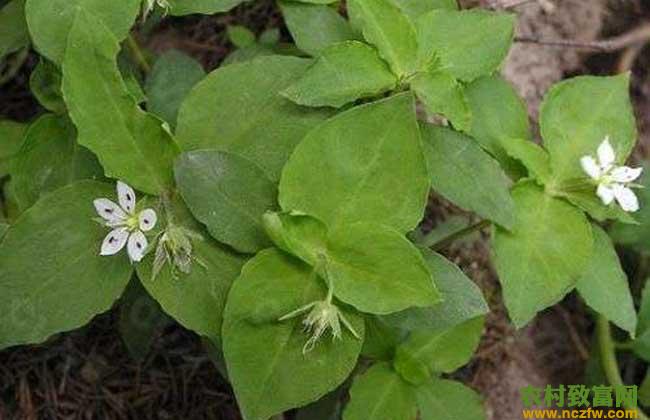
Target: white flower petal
[(109, 211), (126, 196), (625, 174), (590, 166), (626, 198), (114, 241), (606, 156), (136, 246), (605, 193), (147, 219)]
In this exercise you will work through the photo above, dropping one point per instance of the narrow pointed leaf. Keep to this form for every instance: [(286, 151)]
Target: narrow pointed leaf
[(131, 144)]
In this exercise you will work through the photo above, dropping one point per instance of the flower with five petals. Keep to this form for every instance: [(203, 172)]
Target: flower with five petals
[(127, 224)]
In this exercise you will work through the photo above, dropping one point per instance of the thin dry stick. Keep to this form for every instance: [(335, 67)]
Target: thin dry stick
[(640, 35)]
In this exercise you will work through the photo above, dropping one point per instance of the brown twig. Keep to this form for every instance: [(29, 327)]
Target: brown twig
[(638, 36)]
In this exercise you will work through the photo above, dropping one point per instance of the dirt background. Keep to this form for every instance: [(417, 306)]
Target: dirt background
[(89, 374)]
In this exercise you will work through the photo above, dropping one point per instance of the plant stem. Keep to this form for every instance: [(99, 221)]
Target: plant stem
[(608, 359), (443, 243), (137, 54)]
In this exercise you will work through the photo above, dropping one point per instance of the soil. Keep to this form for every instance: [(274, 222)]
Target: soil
[(89, 374)]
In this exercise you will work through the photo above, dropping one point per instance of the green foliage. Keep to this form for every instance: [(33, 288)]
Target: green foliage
[(368, 163), (111, 124), (240, 194), (536, 272), (53, 248), (50, 158), (171, 79), (232, 120), (45, 83), (448, 400), (13, 27), (441, 93), (187, 7), (12, 135)]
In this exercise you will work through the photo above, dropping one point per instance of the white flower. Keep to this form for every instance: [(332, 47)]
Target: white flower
[(128, 226), (613, 181)]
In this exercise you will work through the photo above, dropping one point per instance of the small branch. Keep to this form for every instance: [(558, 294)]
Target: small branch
[(638, 36), (608, 359), (443, 243)]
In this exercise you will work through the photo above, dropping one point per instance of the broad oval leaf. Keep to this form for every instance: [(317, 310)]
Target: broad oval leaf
[(381, 394), (541, 259), (469, 43), (131, 144), (365, 164), (577, 115), (532, 156), (343, 73), (12, 134), (228, 194), (195, 299), (315, 27), (50, 21), (416, 8), (302, 236), (604, 285), (386, 27), (377, 270), (462, 300), (266, 364), (50, 158), (53, 278), (466, 175), (442, 399), (248, 116), (206, 7), (172, 77)]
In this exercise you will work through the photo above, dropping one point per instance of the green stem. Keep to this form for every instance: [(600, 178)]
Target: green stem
[(448, 240), (137, 54), (607, 349), (14, 65)]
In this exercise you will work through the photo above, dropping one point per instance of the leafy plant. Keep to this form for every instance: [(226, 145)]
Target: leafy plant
[(279, 196)]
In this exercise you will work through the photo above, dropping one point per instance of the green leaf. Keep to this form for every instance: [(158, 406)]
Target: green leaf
[(266, 364), (377, 270), (12, 134), (196, 299), (531, 155), (462, 300), (365, 164), (13, 28), (240, 36), (141, 320), (381, 339), (50, 158), (469, 44), (416, 8), (50, 21), (498, 114), (344, 72), (172, 77), (641, 344), (449, 400), (587, 200), (441, 351), (541, 259), (248, 117), (131, 144), (315, 27), (380, 394), (302, 236), (45, 84), (206, 7), (644, 390), (228, 194), (385, 26), (53, 278), (466, 175), (578, 114), (442, 94), (604, 286), (327, 408)]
